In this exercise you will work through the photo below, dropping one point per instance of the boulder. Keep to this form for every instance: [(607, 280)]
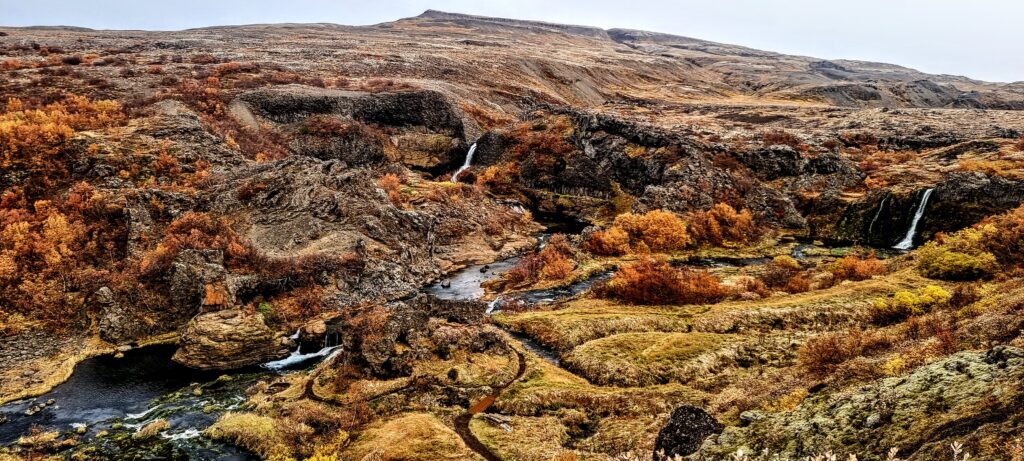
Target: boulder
[(685, 432), (229, 339)]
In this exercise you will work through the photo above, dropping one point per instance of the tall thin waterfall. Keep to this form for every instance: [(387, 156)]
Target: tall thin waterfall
[(465, 165), (881, 206), (908, 241)]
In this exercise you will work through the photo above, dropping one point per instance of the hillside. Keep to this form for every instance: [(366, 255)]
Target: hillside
[(460, 237)]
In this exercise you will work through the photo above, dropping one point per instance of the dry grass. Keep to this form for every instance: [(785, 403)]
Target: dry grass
[(641, 359), (258, 434), (411, 437)]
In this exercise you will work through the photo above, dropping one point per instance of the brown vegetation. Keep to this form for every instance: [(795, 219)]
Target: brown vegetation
[(723, 224), (654, 281)]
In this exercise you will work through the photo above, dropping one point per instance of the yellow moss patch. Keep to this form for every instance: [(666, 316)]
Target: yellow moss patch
[(258, 434), (531, 438), (639, 359), (410, 437), (583, 320)]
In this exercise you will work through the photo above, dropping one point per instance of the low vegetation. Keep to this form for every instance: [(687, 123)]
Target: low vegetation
[(653, 281)]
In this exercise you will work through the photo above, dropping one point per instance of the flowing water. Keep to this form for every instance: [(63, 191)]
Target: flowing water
[(118, 396), (881, 206), (465, 165), (908, 240)]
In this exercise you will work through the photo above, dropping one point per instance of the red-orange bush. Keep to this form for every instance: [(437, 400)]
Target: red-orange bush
[(658, 230), (822, 354), (653, 280), (854, 267), (199, 231), (553, 262), (611, 242), (721, 224), (233, 67), (392, 185)]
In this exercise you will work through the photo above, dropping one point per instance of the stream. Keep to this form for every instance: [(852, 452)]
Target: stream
[(107, 400)]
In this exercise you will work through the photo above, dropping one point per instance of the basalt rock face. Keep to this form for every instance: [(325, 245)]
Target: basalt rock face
[(229, 339), (613, 159), (961, 199), (974, 395), (422, 129), (684, 433)]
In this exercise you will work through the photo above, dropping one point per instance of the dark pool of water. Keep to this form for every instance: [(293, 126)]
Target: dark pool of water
[(119, 396), (102, 388)]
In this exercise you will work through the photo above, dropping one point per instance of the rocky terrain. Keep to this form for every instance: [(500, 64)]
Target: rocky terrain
[(703, 249)]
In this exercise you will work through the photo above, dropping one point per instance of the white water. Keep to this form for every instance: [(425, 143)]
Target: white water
[(296, 358), (491, 306), (143, 414), (465, 165), (881, 206), (189, 433), (908, 241)]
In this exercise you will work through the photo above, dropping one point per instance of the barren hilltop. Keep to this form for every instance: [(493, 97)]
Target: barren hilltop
[(461, 237)]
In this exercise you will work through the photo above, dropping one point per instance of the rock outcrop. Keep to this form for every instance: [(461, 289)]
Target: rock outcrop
[(229, 339), (684, 433), (422, 129), (965, 398)]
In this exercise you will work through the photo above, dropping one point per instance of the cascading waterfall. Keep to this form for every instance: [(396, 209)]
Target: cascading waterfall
[(908, 240), (465, 165), (881, 206)]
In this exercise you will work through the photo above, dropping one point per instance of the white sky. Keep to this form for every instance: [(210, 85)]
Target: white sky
[(982, 39)]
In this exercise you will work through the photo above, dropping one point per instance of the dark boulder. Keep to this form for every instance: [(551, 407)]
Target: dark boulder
[(685, 432)]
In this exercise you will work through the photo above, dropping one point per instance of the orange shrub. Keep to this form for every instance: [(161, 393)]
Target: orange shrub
[(780, 271), (34, 140), (233, 67), (555, 262), (501, 178), (659, 230), (393, 186), (199, 231), (853, 267), (721, 224), (822, 354), (654, 281), (611, 242)]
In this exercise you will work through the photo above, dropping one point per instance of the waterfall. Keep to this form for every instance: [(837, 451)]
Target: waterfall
[(878, 213), (908, 241), (465, 165)]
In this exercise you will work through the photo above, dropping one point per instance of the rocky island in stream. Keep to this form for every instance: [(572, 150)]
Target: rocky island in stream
[(458, 237)]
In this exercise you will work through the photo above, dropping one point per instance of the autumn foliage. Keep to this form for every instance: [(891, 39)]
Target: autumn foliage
[(722, 224), (652, 280), (35, 139), (198, 231), (657, 231), (52, 251), (854, 267), (554, 262)]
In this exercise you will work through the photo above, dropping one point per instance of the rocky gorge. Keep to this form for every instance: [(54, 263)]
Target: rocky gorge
[(334, 242)]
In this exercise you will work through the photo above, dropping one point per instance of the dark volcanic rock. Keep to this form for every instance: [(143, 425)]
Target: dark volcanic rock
[(685, 432)]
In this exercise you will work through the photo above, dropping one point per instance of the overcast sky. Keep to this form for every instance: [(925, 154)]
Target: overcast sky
[(982, 39)]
